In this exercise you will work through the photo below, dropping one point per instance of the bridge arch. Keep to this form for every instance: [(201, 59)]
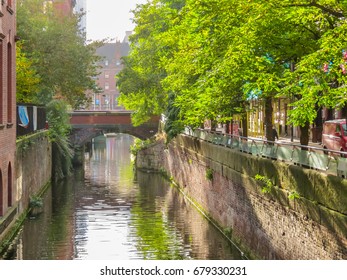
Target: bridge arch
[(89, 124)]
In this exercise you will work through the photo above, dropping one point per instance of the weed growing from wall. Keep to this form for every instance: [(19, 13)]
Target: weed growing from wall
[(23, 143), (139, 145), (294, 195), (209, 174), (265, 182)]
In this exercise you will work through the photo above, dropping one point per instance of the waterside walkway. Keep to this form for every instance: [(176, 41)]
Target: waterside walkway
[(312, 156)]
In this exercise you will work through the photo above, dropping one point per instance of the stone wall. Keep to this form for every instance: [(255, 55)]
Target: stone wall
[(33, 166), (267, 225), (33, 170)]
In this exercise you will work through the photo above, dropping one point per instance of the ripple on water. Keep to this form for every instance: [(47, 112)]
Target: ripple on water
[(102, 213)]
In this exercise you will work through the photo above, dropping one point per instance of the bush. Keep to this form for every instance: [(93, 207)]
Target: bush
[(139, 145), (59, 131)]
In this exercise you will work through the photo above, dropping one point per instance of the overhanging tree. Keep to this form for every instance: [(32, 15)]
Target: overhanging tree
[(140, 80), (60, 56), (27, 79), (318, 79), (213, 56)]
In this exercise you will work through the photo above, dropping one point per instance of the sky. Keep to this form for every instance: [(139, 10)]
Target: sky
[(110, 18)]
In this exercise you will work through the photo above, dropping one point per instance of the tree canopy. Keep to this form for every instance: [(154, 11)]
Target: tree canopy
[(213, 56), (61, 61)]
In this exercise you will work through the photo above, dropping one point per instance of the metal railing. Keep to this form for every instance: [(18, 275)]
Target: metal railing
[(329, 161)]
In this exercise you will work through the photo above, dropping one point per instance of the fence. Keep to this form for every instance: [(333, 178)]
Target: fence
[(30, 118), (332, 162)]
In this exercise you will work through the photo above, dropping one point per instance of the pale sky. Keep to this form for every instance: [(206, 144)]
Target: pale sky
[(110, 18)]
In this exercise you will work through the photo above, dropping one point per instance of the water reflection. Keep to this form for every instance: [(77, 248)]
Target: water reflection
[(102, 213)]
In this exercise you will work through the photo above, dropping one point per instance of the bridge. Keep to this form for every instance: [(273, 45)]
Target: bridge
[(89, 124)]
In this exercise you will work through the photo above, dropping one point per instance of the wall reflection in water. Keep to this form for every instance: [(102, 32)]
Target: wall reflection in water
[(102, 212)]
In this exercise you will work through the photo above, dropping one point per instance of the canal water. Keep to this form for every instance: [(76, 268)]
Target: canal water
[(108, 211)]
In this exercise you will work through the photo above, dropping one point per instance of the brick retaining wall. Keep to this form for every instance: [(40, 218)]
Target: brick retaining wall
[(33, 169), (271, 226)]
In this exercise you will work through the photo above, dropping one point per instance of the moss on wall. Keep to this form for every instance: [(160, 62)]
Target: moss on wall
[(33, 169), (317, 187), (308, 198)]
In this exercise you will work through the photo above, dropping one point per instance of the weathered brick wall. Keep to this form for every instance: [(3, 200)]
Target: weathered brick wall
[(7, 105), (271, 226), (33, 167)]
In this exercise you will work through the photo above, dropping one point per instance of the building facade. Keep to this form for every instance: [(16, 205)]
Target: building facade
[(106, 99), (65, 7), (7, 105)]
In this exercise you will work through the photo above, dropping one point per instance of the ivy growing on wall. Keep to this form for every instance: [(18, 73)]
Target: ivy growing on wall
[(59, 130)]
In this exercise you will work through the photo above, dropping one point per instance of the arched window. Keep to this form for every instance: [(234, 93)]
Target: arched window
[(9, 83), (1, 83), (1, 196), (9, 185)]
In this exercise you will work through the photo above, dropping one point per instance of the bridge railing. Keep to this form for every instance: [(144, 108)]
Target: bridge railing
[(329, 161)]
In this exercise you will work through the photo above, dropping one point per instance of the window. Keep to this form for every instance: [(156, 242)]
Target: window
[(9, 83), (9, 6), (106, 62), (338, 128), (107, 86), (9, 186), (344, 127), (107, 75), (1, 84), (1, 195)]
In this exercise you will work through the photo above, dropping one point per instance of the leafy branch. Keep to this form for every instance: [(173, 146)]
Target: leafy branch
[(266, 182)]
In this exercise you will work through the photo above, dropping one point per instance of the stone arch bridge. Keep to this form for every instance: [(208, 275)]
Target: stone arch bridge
[(89, 124)]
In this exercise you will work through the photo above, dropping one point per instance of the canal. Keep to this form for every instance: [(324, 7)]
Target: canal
[(108, 211)]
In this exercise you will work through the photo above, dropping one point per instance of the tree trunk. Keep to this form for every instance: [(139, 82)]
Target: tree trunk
[(268, 119), (213, 125), (227, 127), (319, 119), (304, 135), (245, 127), (318, 126)]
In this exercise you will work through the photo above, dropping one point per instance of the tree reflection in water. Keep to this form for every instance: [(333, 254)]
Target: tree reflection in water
[(103, 213)]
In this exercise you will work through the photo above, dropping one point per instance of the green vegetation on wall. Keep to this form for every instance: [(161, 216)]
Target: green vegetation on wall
[(266, 183), (139, 145), (209, 174), (59, 130)]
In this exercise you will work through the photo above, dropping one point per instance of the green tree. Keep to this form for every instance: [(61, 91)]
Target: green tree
[(213, 56), (140, 80), (317, 79), (58, 51), (27, 80), (218, 55)]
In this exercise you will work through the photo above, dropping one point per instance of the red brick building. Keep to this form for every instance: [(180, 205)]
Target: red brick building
[(65, 7), (7, 105), (110, 65)]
